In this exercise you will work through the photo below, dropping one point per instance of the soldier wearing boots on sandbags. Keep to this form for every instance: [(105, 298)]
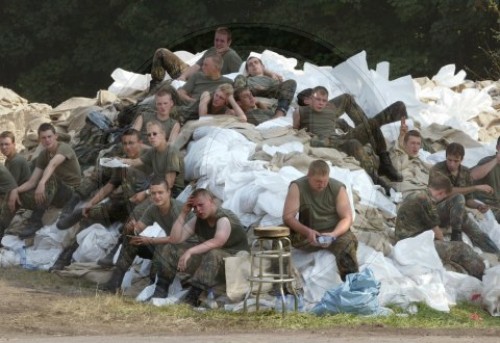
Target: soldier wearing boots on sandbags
[(220, 233), (320, 118), (134, 184), (53, 181), (164, 210)]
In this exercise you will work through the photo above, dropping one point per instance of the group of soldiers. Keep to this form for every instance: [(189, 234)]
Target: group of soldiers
[(200, 233)]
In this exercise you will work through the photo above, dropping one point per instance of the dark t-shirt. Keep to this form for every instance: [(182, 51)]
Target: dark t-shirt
[(232, 61), (199, 83), (237, 239), (19, 168), (69, 171), (166, 162)]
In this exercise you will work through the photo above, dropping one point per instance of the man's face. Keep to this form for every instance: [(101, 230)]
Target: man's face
[(131, 146), (438, 194), (453, 163), (155, 136), (318, 182), (219, 99), (247, 100), (208, 66), (255, 67), (159, 194), (164, 104), (412, 146), (221, 42), (48, 139), (318, 101), (7, 147), (203, 206)]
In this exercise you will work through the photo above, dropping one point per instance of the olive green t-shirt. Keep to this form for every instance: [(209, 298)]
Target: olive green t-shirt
[(231, 60), (321, 124), (492, 179), (167, 124), (7, 181), (318, 210), (166, 221), (163, 162), (199, 83), (237, 239), (69, 171), (19, 168)]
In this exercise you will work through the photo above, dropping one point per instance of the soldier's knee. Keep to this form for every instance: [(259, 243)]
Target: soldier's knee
[(161, 52), (457, 200)]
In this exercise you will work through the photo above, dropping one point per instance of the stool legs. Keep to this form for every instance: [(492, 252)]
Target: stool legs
[(281, 278)]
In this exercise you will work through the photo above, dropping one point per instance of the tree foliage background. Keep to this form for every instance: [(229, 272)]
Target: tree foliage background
[(52, 50)]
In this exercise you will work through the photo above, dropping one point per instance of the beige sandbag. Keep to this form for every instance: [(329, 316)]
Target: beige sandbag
[(90, 271)]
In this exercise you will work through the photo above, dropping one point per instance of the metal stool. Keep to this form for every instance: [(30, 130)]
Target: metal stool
[(278, 236)]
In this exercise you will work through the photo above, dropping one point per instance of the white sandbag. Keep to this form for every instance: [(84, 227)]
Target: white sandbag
[(283, 148), (127, 83), (319, 273), (491, 291), (373, 91), (417, 258), (491, 227), (446, 76), (462, 287), (94, 242)]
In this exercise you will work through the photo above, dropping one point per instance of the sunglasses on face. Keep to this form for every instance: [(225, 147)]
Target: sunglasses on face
[(150, 134)]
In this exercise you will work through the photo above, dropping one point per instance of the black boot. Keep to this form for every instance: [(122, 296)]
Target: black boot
[(64, 258), (114, 284), (33, 225), (69, 214), (192, 297), (161, 289), (107, 261), (381, 182), (386, 168)]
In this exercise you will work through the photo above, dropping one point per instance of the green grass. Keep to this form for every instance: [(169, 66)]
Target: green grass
[(81, 302)]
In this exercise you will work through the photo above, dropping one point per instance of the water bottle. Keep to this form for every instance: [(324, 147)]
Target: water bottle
[(211, 303), (22, 259)]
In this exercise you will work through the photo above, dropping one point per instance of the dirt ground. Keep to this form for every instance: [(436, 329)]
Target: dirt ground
[(38, 314)]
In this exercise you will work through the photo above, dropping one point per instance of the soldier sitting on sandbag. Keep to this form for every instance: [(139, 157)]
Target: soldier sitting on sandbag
[(265, 83), (418, 213), (452, 210), (55, 177), (166, 61), (134, 183), (320, 118)]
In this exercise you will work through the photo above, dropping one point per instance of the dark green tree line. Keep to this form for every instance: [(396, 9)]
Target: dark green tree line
[(52, 50)]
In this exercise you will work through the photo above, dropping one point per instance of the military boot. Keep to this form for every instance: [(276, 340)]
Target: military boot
[(192, 297), (115, 282), (70, 214), (386, 168), (107, 261), (161, 289), (381, 182), (33, 225), (65, 257)]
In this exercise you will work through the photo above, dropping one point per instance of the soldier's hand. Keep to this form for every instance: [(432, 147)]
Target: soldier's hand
[(13, 200), (40, 194), (483, 208), (86, 209), (484, 188), (183, 261), (130, 226), (311, 237)]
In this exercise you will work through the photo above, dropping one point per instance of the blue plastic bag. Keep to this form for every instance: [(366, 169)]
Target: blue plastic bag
[(357, 295)]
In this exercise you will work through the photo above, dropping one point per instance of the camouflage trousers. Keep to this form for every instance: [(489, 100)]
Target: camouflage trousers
[(366, 131), (117, 209), (128, 252), (460, 257), (165, 61), (203, 271), (344, 249), (53, 190), (283, 91), (452, 213)]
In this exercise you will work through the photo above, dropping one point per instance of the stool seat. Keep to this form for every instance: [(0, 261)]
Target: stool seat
[(271, 231)]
